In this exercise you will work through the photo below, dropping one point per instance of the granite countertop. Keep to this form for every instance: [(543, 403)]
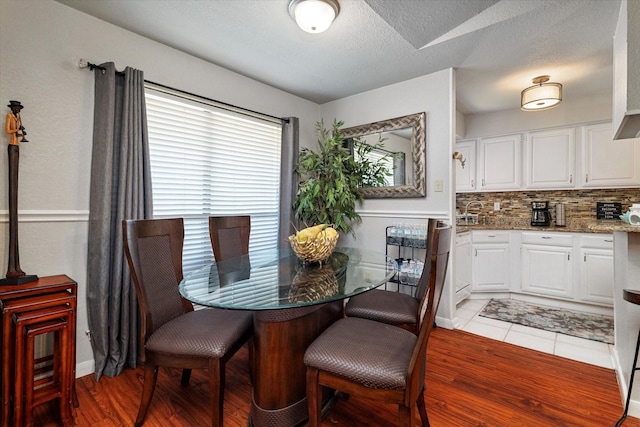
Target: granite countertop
[(573, 225)]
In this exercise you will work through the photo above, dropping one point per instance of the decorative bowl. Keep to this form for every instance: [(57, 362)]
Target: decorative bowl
[(317, 249)]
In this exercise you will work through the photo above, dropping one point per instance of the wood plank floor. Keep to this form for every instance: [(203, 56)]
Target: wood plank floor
[(471, 381)]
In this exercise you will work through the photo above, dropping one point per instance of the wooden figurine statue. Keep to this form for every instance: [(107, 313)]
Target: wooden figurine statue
[(13, 127)]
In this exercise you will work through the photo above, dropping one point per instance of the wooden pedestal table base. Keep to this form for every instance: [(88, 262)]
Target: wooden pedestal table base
[(281, 337)]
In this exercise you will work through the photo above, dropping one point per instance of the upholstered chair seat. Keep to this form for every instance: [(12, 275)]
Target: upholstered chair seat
[(395, 308), (189, 335), (370, 353), (385, 306)]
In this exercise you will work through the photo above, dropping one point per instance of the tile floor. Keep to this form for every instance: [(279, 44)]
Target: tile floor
[(592, 352)]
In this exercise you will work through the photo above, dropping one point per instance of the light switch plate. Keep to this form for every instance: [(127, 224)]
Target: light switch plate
[(438, 185)]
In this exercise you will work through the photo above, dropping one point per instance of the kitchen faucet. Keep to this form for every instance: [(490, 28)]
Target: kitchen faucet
[(466, 207)]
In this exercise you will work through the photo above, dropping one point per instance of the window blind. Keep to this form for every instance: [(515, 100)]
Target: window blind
[(207, 161)]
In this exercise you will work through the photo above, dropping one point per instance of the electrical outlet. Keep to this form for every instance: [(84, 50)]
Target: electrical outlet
[(496, 206)]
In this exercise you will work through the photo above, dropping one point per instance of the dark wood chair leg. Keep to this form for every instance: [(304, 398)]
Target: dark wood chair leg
[(186, 376), (405, 413), (216, 384), (422, 409), (150, 379), (314, 396)]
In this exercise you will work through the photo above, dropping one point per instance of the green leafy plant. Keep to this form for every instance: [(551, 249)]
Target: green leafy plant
[(331, 180)]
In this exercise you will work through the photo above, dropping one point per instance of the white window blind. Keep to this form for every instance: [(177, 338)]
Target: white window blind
[(206, 161)]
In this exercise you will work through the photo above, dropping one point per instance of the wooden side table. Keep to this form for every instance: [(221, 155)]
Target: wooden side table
[(47, 293)]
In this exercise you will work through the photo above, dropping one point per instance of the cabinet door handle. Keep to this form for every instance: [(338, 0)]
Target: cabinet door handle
[(608, 240), (483, 182), (472, 184), (571, 179), (547, 237), (568, 257), (586, 178), (585, 258), (475, 253)]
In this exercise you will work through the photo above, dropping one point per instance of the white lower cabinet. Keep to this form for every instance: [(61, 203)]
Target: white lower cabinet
[(573, 267), (547, 269), (490, 261), (596, 270)]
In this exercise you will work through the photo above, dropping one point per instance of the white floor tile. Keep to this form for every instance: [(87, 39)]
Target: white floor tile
[(492, 322), (584, 343), (583, 350), (541, 333), (473, 304), (487, 331), (533, 342), (583, 354), (466, 314)]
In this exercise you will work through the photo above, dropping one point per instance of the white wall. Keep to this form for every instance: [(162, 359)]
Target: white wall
[(39, 69), (569, 112), (42, 43), (433, 94)]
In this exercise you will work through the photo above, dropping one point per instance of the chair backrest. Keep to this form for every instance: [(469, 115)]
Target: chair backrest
[(154, 252), (439, 260), (432, 223), (229, 236)]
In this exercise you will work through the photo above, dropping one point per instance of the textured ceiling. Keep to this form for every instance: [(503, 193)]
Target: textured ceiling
[(496, 46)]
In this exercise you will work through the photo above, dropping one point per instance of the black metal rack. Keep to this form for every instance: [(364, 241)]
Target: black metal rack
[(406, 247)]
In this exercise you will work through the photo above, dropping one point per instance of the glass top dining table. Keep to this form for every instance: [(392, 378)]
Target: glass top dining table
[(278, 279)]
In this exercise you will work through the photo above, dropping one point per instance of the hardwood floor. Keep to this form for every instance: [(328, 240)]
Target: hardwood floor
[(471, 381)]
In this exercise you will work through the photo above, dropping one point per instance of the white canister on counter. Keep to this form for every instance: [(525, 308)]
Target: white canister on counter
[(634, 214)]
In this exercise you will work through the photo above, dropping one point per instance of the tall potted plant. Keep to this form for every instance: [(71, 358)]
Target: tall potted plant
[(331, 179)]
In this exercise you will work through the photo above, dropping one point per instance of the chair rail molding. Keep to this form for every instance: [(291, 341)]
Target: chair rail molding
[(443, 215), (47, 216)]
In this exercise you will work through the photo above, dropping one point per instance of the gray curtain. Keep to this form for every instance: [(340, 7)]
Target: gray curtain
[(120, 188), (288, 179)]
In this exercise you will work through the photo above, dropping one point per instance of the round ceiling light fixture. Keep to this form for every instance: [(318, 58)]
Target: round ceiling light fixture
[(541, 96), (314, 16)]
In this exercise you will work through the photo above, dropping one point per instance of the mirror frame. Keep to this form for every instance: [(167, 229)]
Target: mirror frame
[(418, 123)]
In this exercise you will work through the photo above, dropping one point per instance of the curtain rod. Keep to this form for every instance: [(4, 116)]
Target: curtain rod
[(82, 64), (219, 103)]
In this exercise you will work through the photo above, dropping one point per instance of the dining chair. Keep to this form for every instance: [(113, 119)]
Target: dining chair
[(395, 308), (229, 236), (173, 334), (376, 360)]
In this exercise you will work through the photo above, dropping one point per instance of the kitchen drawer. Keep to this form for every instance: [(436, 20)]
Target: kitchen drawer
[(462, 238), (555, 239), (602, 241), (490, 236)]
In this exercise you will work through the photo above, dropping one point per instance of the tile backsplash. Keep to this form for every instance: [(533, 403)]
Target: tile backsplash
[(580, 204)]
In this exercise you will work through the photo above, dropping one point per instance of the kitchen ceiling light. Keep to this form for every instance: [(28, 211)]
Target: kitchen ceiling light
[(314, 16), (541, 96)]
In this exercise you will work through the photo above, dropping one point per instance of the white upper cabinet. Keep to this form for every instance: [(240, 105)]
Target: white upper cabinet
[(550, 159), (466, 176), (609, 163), (499, 163)]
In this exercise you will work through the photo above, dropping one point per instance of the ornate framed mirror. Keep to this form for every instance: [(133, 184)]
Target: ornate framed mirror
[(404, 138)]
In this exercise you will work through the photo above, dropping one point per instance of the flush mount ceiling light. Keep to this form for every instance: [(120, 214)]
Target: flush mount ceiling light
[(314, 16), (541, 96)]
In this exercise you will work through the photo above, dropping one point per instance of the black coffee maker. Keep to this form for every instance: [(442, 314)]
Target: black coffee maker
[(540, 215)]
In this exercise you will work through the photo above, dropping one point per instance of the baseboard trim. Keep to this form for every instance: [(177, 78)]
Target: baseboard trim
[(85, 368)]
